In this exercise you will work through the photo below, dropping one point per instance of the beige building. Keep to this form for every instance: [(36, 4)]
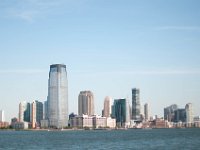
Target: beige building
[(82, 121), (189, 113), (33, 114), (110, 122), (107, 106), (99, 122), (95, 121), (86, 103)]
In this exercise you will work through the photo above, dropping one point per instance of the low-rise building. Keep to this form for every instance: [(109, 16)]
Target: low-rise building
[(44, 124), (159, 123), (111, 123), (94, 121), (99, 122), (20, 125), (4, 124), (197, 121)]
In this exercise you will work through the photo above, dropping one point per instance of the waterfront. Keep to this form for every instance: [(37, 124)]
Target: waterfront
[(103, 139)]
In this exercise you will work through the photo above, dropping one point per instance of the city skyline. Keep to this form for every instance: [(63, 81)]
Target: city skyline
[(109, 47)]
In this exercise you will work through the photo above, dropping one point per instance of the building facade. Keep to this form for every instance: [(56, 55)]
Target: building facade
[(121, 113), (107, 106), (86, 103), (189, 113), (169, 112), (146, 112), (136, 108), (58, 96), (45, 110), (180, 115), (24, 111), (2, 116), (94, 121), (36, 113)]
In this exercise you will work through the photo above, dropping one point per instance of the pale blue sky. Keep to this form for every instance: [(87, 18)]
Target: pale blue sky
[(108, 46)]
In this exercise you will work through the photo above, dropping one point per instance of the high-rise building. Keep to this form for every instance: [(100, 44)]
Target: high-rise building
[(107, 107), (136, 104), (121, 112), (146, 112), (58, 96), (86, 103), (36, 113), (189, 113), (45, 110), (180, 115), (2, 116), (169, 112), (24, 111)]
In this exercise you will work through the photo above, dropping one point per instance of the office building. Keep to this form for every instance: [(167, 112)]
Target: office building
[(189, 113), (45, 110), (86, 103), (58, 96), (24, 112), (180, 115), (121, 112), (136, 104), (169, 112), (36, 113), (2, 116), (107, 106), (146, 112)]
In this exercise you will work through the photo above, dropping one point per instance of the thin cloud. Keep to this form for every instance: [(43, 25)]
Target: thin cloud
[(185, 28), (30, 10), (23, 71), (142, 72)]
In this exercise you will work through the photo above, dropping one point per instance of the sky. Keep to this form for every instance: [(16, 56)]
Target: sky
[(108, 46)]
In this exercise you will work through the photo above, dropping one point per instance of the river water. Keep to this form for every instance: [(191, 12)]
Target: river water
[(161, 139)]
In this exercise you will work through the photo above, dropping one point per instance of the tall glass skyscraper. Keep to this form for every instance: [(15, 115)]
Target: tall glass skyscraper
[(121, 112), (58, 96), (136, 104)]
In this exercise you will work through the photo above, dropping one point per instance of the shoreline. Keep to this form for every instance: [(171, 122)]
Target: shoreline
[(50, 130)]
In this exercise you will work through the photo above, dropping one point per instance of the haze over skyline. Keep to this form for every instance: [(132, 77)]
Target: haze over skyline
[(108, 47)]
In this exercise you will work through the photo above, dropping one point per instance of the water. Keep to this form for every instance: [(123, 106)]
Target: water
[(177, 139)]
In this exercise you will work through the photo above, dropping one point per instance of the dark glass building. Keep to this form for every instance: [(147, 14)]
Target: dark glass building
[(121, 112), (169, 112), (136, 104), (180, 115)]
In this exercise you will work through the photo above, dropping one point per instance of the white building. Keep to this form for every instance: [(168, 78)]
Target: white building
[(189, 113), (99, 122), (95, 121), (197, 121), (110, 122), (81, 121), (2, 116)]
